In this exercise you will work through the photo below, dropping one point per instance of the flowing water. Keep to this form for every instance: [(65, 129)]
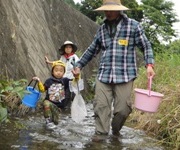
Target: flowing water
[(30, 134)]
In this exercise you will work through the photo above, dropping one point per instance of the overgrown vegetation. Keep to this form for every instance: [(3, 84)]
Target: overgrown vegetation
[(164, 124), (91, 83), (11, 94)]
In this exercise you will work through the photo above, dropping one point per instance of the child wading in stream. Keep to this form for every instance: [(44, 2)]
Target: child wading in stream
[(68, 56), (56, 88)]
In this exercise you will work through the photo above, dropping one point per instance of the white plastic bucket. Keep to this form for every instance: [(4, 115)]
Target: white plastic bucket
[(147, 100)]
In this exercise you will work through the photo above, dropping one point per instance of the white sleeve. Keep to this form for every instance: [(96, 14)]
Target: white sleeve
[(76, 58)]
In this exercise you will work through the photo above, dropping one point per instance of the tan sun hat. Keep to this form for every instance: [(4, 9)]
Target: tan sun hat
[(74, 47), (111, 5)]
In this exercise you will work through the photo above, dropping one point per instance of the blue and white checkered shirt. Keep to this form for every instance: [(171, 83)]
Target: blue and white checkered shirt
[(117, 54)]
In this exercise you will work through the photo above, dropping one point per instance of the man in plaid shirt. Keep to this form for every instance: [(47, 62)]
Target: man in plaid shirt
[(116, 41)]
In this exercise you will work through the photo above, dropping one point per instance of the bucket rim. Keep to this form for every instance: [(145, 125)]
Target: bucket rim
[(30, 88), (145, 92)]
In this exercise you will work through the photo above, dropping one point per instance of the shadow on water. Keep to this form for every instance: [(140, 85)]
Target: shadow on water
[(32, 135)]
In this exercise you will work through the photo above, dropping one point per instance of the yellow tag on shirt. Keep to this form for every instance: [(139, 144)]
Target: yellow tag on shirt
[(123, 42)]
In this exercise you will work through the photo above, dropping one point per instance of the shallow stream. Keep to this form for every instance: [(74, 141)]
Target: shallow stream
[(30, 133)]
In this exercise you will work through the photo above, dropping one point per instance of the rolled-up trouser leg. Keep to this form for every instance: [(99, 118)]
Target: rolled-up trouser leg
[(55, 113), (122, 105), (47, 109), (51, 111), (102, 107)]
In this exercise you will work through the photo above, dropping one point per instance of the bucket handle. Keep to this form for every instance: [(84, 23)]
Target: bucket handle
[(149, 84), (34, 83)]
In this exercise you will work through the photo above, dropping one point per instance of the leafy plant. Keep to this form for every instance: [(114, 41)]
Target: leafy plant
[(11, 86), (11, 93), (3, 112), (91, 83)]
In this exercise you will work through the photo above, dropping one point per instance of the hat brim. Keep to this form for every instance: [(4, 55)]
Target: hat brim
[(74, 47), (111, 8)]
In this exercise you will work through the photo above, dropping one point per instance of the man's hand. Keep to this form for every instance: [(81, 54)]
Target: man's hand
[(150, 71), (76, 72)]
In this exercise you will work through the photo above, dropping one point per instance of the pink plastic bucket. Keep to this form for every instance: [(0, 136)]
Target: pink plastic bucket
[(147, 100)]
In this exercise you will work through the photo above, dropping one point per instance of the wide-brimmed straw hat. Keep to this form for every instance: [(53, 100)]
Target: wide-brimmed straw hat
[(74, 47), (111, 5)]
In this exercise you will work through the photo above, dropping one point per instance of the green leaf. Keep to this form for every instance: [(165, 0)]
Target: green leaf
[(8, 88), (18, 89), (3, 113)]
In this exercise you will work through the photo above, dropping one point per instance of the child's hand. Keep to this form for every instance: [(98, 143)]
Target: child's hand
[(36, 78), (46, 59), (77, 77)]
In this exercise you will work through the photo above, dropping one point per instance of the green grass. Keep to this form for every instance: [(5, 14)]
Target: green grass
[(164, 124)]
